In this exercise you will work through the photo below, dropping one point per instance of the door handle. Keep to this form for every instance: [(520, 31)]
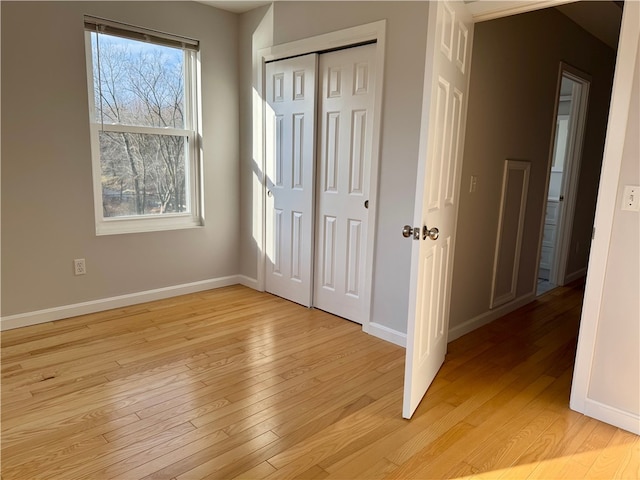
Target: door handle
[(409, 232), (433, 233)]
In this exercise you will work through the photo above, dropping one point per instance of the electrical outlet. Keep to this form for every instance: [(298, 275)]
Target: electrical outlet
[(79, 266), (631, 198)]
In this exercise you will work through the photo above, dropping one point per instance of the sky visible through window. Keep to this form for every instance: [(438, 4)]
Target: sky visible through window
[(137, 83)]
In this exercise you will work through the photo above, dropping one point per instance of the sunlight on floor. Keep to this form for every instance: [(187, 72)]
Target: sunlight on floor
[(595, 463)]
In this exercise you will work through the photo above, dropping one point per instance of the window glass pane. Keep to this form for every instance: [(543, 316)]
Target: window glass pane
[(143, 174), (137, 83)]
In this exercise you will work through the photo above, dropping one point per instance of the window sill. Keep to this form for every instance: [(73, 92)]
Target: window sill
[(118, 226)]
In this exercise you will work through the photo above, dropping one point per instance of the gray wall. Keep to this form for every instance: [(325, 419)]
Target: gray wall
[(512, 97), (255, 32), (47, 199), (615, 374), (403, 80), (47, 213)]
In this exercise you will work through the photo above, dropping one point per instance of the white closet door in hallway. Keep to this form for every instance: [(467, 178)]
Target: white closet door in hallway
[(345, 118)]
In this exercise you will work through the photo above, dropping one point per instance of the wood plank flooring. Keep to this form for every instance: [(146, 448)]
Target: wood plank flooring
[(232, 383)]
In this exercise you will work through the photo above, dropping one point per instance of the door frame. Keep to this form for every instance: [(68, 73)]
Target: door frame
[(623, 78), (607, 193), (570, 176), (606, 207), (375, 31)]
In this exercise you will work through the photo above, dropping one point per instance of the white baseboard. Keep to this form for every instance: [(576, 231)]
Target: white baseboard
[(388, 334), (611, 415), (575, 275), (66, 311), (248, 282), (490, 316)]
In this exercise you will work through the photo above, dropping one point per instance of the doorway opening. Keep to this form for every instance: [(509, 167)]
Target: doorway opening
[(564, 170)]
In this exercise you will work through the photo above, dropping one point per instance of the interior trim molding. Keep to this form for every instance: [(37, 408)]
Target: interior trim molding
[(489, 316), (505, 221), (93, 306), (483, 11), (388, 334), (611, 415), (607, 204), (582, 272), (374, 31), (248, 282)]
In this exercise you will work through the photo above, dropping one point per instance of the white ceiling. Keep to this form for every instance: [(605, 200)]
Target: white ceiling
[(600, 18)]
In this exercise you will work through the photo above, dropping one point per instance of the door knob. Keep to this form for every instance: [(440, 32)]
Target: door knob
[(269, 193), (433, 233), (409, 232)]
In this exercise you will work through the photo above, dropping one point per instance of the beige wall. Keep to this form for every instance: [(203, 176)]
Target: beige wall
[(403, 80), (47, 199), (511, 101), (615, 374)]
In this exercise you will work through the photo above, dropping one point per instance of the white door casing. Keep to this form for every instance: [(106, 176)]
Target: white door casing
[(345, 118), (566, 146), (555, 206), (592, 319), (371, 32), (290, 146), (444, 107), (573, 160)]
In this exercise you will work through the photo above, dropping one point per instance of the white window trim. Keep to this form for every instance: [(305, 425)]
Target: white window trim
[(193, 167)]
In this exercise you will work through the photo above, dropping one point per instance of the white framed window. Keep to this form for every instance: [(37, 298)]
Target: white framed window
[(144, 123)]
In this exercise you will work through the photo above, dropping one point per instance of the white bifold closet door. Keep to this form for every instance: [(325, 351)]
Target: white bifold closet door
[(346, 101), (317, 197)]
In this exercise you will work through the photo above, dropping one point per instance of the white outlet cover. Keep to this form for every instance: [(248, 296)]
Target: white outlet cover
[(79, 266), (631, 198)]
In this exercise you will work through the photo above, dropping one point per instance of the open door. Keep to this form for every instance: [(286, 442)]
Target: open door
[(444, 107)]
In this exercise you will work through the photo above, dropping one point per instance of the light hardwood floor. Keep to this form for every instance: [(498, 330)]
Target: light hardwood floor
[(232, 383)]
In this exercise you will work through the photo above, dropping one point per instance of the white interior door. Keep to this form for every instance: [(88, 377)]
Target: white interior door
[(290, 145), (346, 102), (447, 66)]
